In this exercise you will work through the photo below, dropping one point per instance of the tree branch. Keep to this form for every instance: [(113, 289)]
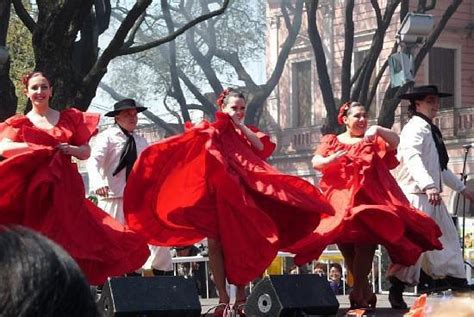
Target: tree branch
[(348, 49), (321, 66), (233, 59), (204, 62), (176, 33), (378, 13), (255, 105), (92, 79), (208, 107), (177, 91), (24, 16)]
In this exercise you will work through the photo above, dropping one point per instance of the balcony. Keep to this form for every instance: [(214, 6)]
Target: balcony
[(455, 124)]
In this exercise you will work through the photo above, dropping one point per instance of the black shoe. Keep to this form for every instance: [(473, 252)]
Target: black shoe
[(133, 274), (458, 284), (162, 273), (395, 294)]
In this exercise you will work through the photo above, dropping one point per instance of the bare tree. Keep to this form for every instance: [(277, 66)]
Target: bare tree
[(211, 49), (292, 14), (360, 87), (75, 67)]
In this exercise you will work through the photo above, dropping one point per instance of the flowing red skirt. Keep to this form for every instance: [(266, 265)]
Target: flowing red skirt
[(208, 182)]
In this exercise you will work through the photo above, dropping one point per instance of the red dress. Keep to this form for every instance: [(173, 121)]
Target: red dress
[(210, 182), (370, 206), (41, 189)]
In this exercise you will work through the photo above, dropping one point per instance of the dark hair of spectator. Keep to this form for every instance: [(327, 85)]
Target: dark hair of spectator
[(38, 278), (337, 266)]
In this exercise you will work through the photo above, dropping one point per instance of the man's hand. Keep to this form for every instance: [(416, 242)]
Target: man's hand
[(433, 196), (103, 191)]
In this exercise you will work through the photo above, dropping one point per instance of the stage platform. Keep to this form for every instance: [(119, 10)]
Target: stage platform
[(383, 306)]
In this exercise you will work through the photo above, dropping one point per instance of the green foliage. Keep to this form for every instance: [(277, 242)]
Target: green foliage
[(21, 56)]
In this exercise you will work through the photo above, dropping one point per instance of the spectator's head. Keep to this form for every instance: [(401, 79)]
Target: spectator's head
[(38, 278), (184, 251), (335, 272), (320, 269)]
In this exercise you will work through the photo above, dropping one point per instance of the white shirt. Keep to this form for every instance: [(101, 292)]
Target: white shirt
[(105, 156), (419, 160)]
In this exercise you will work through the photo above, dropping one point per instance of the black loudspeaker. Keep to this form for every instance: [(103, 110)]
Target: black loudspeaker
[(158, 296), (292, 295)]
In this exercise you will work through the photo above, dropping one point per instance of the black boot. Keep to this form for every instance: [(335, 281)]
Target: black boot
[(458, 284), (395, 293)]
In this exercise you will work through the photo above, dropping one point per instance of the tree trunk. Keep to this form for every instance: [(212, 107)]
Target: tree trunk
[(330, 125), (53, 43), (8, 99)]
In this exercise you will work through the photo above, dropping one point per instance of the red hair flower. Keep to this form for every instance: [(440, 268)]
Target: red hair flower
[(342, 112), (220, 99)]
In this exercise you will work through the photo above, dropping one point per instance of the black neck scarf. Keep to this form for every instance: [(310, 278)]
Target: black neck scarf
[(438, 140), (128, 156)]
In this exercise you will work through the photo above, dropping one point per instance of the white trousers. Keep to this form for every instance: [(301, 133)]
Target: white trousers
[(438, 263), (160, 257)]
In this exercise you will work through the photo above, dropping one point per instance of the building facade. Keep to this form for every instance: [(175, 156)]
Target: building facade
[(296, 112)]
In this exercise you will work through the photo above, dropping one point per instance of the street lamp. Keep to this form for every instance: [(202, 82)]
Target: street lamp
[(3, 56), (414, 28)]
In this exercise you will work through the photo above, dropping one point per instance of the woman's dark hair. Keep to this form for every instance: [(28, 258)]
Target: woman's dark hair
[(25, 79), (225, 95), (345, 110), (411, 108), (38, 278)]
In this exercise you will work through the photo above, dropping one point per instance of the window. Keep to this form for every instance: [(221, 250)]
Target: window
[(442, 73), (358, 59), (302, 102)]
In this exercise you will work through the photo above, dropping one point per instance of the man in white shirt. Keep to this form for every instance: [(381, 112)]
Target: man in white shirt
[(112, 157), (423, 171)]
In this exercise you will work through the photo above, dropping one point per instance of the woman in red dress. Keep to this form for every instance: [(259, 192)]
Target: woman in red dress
[(212, 181), (42, 189), (370, 207)]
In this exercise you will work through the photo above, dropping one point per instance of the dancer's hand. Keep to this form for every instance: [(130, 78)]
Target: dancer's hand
[(433, 196), (336, 155), (235, 117), (371, 133), (66, 148), (319, 162), (103, 191)]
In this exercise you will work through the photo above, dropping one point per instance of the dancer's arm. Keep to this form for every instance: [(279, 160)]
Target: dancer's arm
[(9, 148), (320, 162), (81, 152), (251, 136), (391, 137)]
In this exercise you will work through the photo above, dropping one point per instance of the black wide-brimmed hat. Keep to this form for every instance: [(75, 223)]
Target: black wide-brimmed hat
[(421, 92), (124, 104)]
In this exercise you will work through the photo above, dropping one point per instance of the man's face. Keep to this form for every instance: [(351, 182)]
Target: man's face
[(127, 119), (428, 106)]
